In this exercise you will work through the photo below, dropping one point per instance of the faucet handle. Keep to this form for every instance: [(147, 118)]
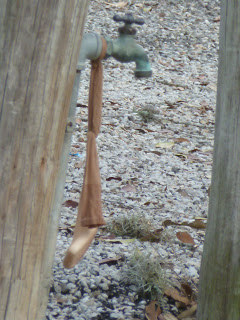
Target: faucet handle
[(128, 19)]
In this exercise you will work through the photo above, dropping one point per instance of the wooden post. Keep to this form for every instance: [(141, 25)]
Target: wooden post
[(220, 270), (39, 45)]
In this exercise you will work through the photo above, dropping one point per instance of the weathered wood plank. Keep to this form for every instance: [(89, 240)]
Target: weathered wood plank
[(39, 45), (220, 270)]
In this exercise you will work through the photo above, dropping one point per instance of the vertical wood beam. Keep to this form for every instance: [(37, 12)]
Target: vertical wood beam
[(39, 45), (220, 270)]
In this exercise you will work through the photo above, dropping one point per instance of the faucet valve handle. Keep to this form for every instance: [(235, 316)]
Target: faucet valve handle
[(128, 19)]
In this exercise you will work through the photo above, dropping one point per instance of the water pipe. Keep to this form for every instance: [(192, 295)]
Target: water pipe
[(124, 48), (91, 47)]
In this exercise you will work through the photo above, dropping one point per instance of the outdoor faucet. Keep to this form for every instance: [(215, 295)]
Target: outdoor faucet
[(125, 48)]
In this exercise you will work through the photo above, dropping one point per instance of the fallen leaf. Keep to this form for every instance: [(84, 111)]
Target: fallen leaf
[(61, 300), (114, 178), (178, 140), (141, 130), (122, 241), (78, 164), (79, 105), (187, 313), (165, 145), (149, 130), (194, 150), (183, 193), (177, 296), (110, 261), (118, 5), (197, 224), (170, 104), (67, 229), (185, 237), (158, 153), (129, 188), (154, 236), (147, 9), (217, 19), (152, 311), (121, 4), (181, 155), (70, 204), (169, 222), (78, 121), (187, 290)]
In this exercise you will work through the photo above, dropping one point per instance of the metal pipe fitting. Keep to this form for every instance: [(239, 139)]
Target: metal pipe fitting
[(91, 48)]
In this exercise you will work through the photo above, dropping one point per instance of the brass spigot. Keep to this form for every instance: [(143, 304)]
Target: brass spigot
[(125, 48)]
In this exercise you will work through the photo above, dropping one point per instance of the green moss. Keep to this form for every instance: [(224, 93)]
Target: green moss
[(146, 274)]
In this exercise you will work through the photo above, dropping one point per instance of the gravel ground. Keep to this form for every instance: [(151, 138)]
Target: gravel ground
[(155, 150)]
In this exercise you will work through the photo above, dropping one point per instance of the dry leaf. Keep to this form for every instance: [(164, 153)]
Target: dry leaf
[(178, 140), (181, 155), (141, 130), (78, 164), (185, 237), (188, 291), (78, 121), (111, 261), (183, 193), (147, 9), (158, 153), (152, 311), (129, 188), (118, 5), (217, 19), (165, 145), (114, 178), (110, 236), (122, 241), (197, 224), (187, 313), (168, 222), (121, 4), (69, 229), (175, 295), (70, 203)]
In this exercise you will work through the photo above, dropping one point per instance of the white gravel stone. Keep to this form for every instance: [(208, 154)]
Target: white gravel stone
[(166, 161)]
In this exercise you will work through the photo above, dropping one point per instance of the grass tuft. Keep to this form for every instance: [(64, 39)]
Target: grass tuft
[(146, 274), (147, 114), (134, 226)]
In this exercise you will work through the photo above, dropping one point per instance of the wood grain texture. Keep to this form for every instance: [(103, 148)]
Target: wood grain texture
[(220, 270), (39, 45)]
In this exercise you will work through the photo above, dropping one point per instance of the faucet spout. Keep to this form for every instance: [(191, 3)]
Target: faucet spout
[(125, 49)]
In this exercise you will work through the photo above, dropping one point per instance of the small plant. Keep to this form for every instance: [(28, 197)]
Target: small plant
[(134, 226), (146, 274), (147, 114)]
